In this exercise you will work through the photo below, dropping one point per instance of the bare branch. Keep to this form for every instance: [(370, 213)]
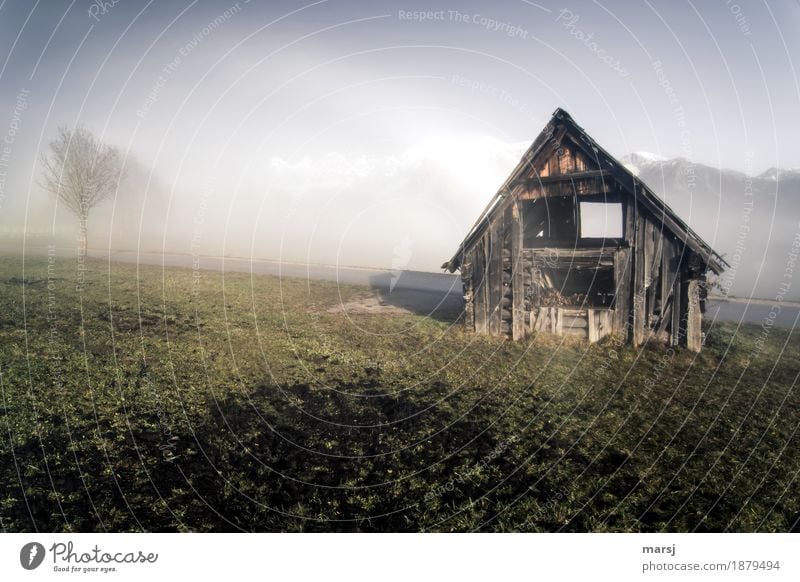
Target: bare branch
[(80, 170)]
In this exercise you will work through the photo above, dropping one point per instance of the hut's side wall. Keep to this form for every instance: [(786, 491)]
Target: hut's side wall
[(667, 280)]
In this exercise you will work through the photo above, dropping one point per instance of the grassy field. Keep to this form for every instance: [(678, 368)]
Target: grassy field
[(174, 400)]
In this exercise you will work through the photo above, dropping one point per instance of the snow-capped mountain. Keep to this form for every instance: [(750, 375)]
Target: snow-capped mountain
[(776, 174), (637, 160)]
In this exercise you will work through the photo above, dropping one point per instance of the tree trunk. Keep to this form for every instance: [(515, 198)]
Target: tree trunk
[(83, 236)]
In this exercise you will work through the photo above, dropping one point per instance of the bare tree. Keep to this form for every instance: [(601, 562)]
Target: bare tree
[(81, 171)]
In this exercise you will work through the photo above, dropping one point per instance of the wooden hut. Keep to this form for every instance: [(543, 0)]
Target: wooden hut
[(574, 244)]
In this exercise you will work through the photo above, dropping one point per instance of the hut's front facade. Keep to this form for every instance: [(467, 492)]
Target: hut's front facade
[(574, 244)]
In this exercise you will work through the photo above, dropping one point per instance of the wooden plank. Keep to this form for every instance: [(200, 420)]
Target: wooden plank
[(573, 312), (622, 286), (591, 318), (583, 187), (607, 323), (604, 174), (577, 332), (574, 256), (667, 254), (655, 275), (543, 171), (541, 318), (536, 284), (694, 317), (517, 275), (506, 289), (580, 162), (630, 221), (552, 164), (603, 321), (666, 316), (666, 282), (572, 321), (469, 292), (559, 323), (624, 272), (553, 319), (479, 301), (495, 273), (658, 252), (649, 243), (638, 282), (566, 163), (649, 252), (677, 308)]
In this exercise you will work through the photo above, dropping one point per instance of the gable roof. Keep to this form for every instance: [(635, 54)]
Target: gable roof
[(605, 161)]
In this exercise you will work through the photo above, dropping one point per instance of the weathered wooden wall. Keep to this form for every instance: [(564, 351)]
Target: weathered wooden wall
[(656, 293)]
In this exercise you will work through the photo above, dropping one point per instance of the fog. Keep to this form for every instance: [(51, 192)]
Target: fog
[(340, 134), (404, 211), (408, 210)]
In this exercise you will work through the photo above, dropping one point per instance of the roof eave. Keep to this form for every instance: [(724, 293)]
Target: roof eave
[(713, 260)]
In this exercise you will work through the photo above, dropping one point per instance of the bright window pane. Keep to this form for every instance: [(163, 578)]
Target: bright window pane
[(601, 220)]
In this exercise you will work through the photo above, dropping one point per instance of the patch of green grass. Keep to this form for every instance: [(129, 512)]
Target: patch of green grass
[(162, 401)]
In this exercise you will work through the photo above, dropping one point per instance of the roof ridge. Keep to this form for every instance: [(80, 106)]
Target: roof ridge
[(659, 205)]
